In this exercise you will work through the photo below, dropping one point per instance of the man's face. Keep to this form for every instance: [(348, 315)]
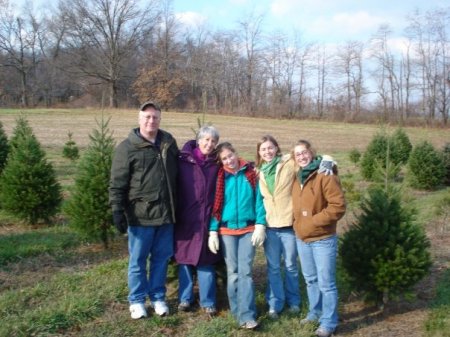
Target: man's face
[(149, 120)]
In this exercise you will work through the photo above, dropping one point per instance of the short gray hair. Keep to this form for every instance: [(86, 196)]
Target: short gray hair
[(208, 130)]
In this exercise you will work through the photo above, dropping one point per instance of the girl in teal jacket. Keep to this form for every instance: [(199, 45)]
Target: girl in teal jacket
[(239, 219)]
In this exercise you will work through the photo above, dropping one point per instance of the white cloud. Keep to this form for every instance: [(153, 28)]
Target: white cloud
[(191, 18), (354, 22), (345, 26), (279, 8), (399, 45)]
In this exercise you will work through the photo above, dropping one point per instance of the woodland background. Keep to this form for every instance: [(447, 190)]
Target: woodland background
[(118, 53)]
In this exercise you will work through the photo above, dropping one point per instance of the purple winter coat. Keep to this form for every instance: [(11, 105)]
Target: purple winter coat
[(195, 197)]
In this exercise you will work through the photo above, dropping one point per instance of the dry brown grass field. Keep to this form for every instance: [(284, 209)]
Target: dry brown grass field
[(51, 128), (404, 318)]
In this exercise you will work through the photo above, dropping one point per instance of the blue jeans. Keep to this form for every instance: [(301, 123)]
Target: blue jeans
[(206, 276), (144, 243), (318, 264), (280, 248), (239, 253)]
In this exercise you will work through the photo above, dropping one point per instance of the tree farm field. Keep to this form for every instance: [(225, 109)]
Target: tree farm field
[(54, 284)]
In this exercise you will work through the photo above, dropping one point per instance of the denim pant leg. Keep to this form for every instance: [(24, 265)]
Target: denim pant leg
[(185, 283), (275, 296), (291, 281), (229, 245), (239, 253), (309, 271), (207, 285), (140, 239), (325, 257), (246, 287), (161, 252)]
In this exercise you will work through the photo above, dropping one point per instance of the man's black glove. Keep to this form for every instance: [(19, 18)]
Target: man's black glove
[(120, 221)]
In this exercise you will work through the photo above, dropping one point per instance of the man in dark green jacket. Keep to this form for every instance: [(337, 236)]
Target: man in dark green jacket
[(142, 197)]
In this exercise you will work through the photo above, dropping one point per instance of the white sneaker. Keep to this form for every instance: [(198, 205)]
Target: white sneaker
[(161, 308), (138, 310), (273, 314), (250, 325)]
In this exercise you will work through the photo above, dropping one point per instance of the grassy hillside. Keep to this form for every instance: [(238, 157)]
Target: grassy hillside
[(54, 284)]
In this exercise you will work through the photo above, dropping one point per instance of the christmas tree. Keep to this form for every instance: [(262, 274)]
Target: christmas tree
[(29, 186), (385, 253), (88, 207)]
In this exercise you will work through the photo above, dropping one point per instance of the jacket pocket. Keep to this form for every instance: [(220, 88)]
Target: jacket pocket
[(147, 208)]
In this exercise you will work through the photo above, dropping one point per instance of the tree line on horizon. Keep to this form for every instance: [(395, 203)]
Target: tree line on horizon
[(117, 53)]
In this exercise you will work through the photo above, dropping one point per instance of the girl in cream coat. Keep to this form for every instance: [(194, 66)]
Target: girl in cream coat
[(276, 177)]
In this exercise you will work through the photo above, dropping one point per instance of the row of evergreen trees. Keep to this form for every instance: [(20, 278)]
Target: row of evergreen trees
[(385, 156), (29, 188), (384, 253)]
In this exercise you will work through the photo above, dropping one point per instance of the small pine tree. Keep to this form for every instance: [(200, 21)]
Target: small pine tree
[(385, 253), (4, 147), (29, 186), (426, 167), (400, 147), (70, 149), (381, 153), (354, 156), (374, 155), (88, 207), (21, 129)]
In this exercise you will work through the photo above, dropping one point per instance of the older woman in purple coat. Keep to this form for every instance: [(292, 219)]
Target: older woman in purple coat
[(195, 192)]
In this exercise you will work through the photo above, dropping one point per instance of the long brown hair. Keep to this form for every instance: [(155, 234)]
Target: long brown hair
[(265, 138)]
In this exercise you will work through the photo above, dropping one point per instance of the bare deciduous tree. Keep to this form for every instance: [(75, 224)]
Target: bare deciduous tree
[(349, 64), (21, 44), (251, 33), (102, 35)]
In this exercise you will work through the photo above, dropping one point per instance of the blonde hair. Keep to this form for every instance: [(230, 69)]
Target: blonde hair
[(307, 145)]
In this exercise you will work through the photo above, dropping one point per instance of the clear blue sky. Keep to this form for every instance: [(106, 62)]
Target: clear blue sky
[(328, 21)]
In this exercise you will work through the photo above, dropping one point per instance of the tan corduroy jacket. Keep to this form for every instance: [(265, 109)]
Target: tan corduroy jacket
[(279, 205), (317, 205)]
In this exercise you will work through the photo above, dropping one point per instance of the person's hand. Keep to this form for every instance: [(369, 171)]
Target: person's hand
[(326, 165), (120, 221), (213, 242), (259, 235)]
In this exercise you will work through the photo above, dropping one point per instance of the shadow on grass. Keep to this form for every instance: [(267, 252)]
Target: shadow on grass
[(356, 314)]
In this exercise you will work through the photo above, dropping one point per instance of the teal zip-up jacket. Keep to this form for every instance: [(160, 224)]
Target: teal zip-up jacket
[(242, 205)]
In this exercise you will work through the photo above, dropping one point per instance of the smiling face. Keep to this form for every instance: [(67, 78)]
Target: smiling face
[(207, 144), (267, 151), (149, 121), (229, 159), (303, 155)]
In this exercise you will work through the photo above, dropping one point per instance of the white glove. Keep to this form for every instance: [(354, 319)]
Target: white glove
[(326, 165), (259, 235), (213, 242)]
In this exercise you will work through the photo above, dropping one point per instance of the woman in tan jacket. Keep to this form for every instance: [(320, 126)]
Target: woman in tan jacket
[(318, 203), (276, 175)]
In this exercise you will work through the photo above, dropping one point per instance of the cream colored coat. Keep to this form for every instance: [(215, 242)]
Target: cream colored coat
[(279, 205)]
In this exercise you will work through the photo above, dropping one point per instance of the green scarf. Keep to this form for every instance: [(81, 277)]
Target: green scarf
[(269, 170), (305, 172)]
